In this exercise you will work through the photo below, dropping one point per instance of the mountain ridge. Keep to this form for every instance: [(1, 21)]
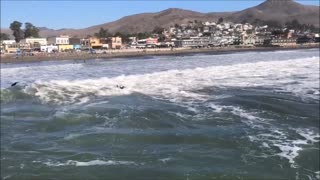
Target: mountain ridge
[(281, 11)]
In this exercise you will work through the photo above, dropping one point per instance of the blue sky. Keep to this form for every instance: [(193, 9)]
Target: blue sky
[(81, 14)]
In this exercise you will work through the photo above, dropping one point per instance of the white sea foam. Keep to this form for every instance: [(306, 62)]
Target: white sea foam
[(289, 147), (87, 163), (317, 174), (215, 107), (6, 177), (273, 136), (179, 85), (309, 135), (164, 160)]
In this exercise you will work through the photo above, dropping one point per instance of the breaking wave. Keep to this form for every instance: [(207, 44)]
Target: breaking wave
[(179, 85)]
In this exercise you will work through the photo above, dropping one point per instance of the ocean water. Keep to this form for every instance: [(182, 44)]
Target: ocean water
[(251, 115)]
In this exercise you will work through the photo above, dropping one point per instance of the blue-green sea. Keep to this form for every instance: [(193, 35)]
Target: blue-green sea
[(243, 115)]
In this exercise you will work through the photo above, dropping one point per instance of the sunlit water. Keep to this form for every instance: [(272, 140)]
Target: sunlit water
[(252, 115)]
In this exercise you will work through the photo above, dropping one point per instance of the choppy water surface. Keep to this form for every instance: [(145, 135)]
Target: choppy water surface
[(252, 115)]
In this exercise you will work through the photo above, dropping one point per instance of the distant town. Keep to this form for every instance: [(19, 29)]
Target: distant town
[(194, 34)]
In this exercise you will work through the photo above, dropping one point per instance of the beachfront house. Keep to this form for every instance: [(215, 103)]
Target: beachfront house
[(49, 48), (7, 42), (152, 41), (85, 43), (115, 43), (61, 41), (65, 47), (9, 46), (105, 43), (317, 38), (249, 39), (95, 43), (75, 42), (149, 42), (34, 42), (284, 42), (193, 42), (1, 49), (140, 44)]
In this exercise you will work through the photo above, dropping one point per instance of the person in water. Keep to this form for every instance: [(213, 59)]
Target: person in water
[(13, 84), (120, 86)]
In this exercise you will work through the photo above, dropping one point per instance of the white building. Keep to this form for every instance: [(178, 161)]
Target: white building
[(49, 48), (7, 42), (249, 39), (31, 40), (61, 40), (209, 23), (227, 25), (172, 30)]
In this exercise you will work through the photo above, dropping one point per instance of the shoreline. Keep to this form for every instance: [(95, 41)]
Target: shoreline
[(110, 54)]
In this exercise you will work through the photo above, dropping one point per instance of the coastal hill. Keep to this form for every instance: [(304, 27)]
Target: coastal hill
[(278, 10)]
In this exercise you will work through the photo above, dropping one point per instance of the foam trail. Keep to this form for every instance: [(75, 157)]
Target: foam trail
[(87, 163)]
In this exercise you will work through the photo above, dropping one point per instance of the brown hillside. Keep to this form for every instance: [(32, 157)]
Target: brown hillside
[(279, 10)]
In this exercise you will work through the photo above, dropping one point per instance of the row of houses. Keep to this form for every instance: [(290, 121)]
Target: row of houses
[(256, 37), (60, 44), (249, 40), (199, 34)]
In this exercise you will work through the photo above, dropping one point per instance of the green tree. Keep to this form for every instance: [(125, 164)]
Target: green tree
[(249, 31), (119, 34), (173, 36), (220, 20), (294, 24), (244, 21), (4, 36), (158, 30), (272, 24), (161, 38), (124, 36), (30, 30), (143, 35), (103, 33), (177, 26), (258, 22), (313, 29), (278, 33), (15, 26)]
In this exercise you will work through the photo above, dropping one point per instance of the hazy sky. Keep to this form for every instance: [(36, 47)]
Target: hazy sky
[(81, 14)]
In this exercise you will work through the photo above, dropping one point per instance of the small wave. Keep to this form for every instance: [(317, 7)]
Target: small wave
[(87, 163), (14, 94)]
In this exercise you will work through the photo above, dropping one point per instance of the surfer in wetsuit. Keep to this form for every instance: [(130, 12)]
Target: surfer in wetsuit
[(13, 84)]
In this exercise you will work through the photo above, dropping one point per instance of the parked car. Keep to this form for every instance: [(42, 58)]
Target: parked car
[(92, 51)]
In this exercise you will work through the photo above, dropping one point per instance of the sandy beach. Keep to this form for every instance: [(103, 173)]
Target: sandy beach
[(108, 54)]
